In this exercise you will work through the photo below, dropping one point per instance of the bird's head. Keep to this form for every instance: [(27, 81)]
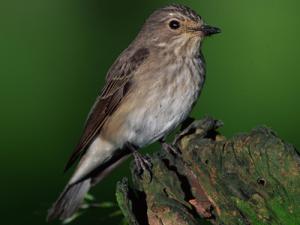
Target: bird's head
[(175, 26)]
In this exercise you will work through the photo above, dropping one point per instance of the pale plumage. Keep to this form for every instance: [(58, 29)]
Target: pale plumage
[(149, 91)]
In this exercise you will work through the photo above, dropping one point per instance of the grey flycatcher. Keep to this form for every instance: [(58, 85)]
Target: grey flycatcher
[(150, 90)]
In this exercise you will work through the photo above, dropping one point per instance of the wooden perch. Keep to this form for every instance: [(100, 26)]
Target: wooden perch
[(252, 178)]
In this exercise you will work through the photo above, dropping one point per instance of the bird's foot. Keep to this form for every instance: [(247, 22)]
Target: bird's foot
[(169, 148), (143, 164), (203, 127)]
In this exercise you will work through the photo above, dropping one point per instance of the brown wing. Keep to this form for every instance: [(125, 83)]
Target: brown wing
[(117, 85)]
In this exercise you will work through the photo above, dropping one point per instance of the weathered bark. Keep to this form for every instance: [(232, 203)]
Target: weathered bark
[(252, 178)]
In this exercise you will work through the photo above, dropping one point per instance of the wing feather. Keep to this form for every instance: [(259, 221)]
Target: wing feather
[(118, 82)]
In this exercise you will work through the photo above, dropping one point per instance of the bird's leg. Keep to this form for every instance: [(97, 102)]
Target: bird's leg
[(170, 148), (204, 126), (186, 127), (143, 163), (186, 123)]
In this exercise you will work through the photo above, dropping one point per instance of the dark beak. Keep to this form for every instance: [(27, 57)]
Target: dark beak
[(209, 30)]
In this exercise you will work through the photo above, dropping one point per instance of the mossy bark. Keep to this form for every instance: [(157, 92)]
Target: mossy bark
[(252, 178)]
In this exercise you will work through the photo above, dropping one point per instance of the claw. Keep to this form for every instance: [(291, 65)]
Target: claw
[(207, 124), (169, 148), (142, 164)]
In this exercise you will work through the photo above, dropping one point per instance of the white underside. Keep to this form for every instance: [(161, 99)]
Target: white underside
[(163, 110), (160, 109)]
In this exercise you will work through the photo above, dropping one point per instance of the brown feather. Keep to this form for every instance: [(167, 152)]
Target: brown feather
[(117, 86)]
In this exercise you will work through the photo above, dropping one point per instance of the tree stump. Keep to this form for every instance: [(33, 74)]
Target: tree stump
[(252, 178)]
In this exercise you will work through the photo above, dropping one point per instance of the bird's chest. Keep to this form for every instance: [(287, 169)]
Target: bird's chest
[(168, 102)]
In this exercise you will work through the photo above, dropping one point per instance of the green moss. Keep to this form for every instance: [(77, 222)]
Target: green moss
[(252, 178)]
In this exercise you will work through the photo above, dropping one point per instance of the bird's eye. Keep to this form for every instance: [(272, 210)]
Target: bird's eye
[(174, 24)]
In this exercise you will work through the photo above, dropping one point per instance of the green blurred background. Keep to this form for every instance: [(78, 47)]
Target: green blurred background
[(53, 58)]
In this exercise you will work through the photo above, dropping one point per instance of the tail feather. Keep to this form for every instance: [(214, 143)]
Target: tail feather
[(80, 183), (69, 200)]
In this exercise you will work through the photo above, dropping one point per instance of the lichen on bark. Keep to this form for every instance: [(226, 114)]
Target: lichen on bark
[(251, 178)]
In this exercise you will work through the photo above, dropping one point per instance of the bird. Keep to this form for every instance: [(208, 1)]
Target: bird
[(149, 91)]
